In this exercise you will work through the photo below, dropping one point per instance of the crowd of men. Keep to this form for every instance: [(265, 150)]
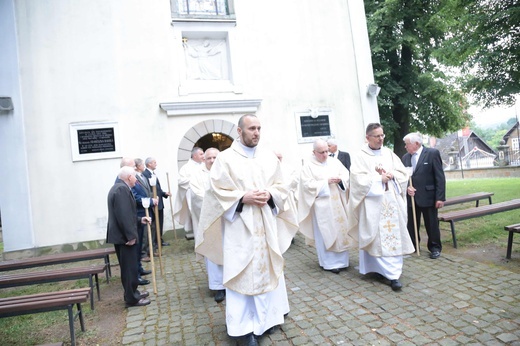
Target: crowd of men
[(245, 206)]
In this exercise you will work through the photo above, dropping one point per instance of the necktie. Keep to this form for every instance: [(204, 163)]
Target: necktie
[(414, 161), (331, 154)]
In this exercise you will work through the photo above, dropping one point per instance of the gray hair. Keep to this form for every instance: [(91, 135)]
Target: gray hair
[(332, 141), (127, 161), (195, 150), (148, 160), (138, 161), (414, 137), (125, 172), (318, 142)]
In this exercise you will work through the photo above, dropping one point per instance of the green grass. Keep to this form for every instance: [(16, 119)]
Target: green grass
[(486, 229)]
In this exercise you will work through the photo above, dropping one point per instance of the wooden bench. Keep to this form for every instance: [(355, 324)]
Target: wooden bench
[(472, 197), (44, 302), (60, 258), (512, 229), (75, 273), (458, 215)]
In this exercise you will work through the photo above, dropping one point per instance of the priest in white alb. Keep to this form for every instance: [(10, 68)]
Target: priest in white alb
[(322, 207), (246, 227), (377, 208), (182, 207), (199, 185)]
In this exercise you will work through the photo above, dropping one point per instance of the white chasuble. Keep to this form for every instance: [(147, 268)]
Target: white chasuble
[(322, 206), (249, 243)]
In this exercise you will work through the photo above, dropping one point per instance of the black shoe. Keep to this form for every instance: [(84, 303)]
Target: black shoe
[(165, 244), (250, 340), (141, 302), (144, 294), (145, 272), (334, 270), (143, 282), (435, 254), (396, 285), (220, 295), (270, 330)]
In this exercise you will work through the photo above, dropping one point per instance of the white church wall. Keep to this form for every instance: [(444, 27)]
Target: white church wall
[(117, 61)]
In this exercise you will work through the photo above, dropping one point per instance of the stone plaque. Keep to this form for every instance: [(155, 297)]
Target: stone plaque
[(96, 140), (315, 123), (315, 127)]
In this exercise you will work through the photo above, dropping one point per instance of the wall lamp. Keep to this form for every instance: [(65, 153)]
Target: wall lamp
[(6, 104), (373, 89)]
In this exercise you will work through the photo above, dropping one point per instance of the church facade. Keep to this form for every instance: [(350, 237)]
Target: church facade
[(84, 83)]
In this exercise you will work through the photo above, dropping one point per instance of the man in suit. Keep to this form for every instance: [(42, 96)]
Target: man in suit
[(122, 231), (428, 189), (343, 156), (151, 165), (144, 183)]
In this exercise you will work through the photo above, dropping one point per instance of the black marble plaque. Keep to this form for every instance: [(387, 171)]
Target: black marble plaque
[(96, 140), (315, 127)]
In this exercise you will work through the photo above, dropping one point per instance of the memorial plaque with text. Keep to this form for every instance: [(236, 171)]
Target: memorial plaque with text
[(315, 127), (99, 140)]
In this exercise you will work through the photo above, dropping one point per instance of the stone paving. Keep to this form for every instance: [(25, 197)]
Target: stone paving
[(448, 301)]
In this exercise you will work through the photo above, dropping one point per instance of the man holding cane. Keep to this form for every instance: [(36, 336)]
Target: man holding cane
[(428, 189)]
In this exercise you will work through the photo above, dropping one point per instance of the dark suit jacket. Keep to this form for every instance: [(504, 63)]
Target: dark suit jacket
[(139, 193), (344, 157), (160, 193), (122, 219), (428, 178)]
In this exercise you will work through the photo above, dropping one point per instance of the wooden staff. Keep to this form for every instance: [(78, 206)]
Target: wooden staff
[(157, 227), (150, 244), (415, 222), (171, 204)]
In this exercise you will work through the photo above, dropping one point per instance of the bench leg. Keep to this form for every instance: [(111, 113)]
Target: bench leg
[(97, 287), (452, 224), (476, 205), (91, 284), (509, 244), (489, 198), (80, 315), (71, 325), (108, 271)]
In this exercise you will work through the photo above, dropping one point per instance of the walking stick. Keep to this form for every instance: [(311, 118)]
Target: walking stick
[(171, 204), (146, 204), (153, 183), (415, 222)]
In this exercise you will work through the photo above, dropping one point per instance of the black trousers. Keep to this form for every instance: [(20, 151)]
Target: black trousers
[(127, 258), (431, 223)]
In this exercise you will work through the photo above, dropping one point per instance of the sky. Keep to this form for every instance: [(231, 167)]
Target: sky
[(489, 118)]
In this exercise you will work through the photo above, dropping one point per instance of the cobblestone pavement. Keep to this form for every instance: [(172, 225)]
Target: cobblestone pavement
[(448, 301)]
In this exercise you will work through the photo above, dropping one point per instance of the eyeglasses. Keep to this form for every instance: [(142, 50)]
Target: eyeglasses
[(377, 136)]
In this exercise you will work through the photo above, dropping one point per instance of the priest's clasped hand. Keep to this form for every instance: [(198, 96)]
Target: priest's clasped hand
[(256, 197)]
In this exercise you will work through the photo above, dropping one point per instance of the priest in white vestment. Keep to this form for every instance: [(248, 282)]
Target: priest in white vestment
[(244, 212), (322, 208), (199, 184), (182, 206), (377, 208)]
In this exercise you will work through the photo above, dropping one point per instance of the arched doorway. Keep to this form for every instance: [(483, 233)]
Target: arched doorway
[(216, 133), (217, 140)]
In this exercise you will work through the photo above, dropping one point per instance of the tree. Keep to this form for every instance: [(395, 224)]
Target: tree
[(485, 43), (416, 94)]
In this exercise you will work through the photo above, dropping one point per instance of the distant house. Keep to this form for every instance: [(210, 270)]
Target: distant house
[(511, 139), (465, 148)]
